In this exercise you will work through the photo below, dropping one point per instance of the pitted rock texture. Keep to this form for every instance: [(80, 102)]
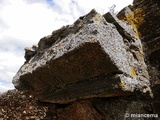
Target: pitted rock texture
[(145, 17), (85, 60)]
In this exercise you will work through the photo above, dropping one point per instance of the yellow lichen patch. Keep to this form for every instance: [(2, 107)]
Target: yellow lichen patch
[(142, 49), (138, 56), (121, 84), (133, 72), (115, 49), (135, 18), (138, 15)]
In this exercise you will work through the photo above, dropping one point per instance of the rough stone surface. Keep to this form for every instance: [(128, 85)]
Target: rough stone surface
[(82, 110), (99, 68), (75, 57), (29, 52), (145, 17), (122, 108)]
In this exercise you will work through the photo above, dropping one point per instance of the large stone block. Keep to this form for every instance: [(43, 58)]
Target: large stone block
[(91, 58)]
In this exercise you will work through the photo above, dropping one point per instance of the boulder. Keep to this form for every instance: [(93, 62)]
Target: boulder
[(95, 57)]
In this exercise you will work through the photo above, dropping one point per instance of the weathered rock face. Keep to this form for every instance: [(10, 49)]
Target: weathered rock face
[(97, 56), (150, 31), (145, 17)]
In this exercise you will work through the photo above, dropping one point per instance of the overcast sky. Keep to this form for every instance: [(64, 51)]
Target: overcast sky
[(24, 22)]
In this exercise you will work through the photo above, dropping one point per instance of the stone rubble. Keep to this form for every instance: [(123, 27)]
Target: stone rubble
[(16, 105)]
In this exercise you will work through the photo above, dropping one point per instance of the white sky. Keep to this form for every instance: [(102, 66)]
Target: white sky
[(24, 22)]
